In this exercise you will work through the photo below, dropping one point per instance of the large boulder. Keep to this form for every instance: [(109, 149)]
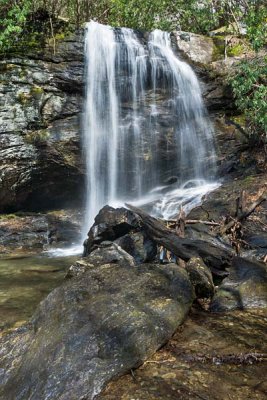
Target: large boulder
[(123, 227), (197, 48), (96, 326), (244, 288)]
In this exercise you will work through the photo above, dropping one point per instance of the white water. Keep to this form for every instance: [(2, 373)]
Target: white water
[(144, 121)]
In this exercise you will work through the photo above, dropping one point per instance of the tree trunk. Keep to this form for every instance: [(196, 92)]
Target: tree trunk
[(215, 257)]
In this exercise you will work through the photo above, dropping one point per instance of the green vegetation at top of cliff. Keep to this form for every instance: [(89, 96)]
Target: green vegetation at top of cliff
[(29, 24), (31, 21)]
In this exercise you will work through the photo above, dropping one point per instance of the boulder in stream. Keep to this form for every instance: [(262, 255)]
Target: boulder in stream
[(122, 226), (244, 288), (99, 324)]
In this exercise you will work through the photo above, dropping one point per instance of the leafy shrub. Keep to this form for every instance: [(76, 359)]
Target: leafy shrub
[(249, 85)]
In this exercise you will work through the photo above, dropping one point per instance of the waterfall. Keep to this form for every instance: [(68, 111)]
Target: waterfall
[(144, 124)]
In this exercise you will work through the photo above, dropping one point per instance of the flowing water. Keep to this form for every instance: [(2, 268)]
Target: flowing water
[(144, 122)]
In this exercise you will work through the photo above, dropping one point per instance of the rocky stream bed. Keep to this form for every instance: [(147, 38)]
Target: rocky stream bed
[(117, 324)]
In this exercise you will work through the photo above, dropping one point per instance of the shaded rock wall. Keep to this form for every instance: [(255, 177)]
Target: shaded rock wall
[(40, 107)]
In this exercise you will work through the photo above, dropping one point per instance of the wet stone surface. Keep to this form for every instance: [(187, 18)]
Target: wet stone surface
[(173, 374)]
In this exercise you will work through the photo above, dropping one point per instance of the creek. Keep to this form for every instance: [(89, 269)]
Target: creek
[(24, 282)]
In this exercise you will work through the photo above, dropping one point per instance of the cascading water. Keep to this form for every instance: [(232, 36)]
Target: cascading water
[(144, 122)]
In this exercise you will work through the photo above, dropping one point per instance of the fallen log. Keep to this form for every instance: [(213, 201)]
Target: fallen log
[(215, 257)]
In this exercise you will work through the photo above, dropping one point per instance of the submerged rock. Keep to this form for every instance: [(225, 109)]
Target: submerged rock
[(200, 277), (94, 327), (244, 288)]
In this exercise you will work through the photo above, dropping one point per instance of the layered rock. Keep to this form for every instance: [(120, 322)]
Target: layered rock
[(40, 107), (35, 232)]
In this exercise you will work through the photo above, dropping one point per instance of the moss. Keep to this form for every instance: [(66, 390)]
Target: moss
[(6, 67), (248, 179), (36, 91), (37, 137), (24, 97), (240, 119), (60, 36), (218, 48), (235, 50), (8, 216)]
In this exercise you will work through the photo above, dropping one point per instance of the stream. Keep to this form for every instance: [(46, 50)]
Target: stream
[(24, 282), (191, 365)]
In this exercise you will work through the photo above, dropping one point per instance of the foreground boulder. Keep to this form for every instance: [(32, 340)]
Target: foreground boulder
[(244, 288), (101, 323)]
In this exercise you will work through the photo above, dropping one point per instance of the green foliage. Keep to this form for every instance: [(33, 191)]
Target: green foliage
[(249, 85), (13, 18), (18, 16), (163, 14), (256, 22)]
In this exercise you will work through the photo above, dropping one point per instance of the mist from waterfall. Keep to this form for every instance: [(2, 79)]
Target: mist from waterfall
[(144, 122)]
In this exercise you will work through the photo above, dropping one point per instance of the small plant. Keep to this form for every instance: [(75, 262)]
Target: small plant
[(37, 137)]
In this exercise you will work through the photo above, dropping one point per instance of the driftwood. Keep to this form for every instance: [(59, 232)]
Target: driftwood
[(193, 222), (242, 214), (217, 258)]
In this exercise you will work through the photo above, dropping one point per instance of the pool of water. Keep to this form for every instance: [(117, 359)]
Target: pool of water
[(25, 281)]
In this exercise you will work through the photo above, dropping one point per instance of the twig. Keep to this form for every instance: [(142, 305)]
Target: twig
[(193, 221), (133, 375), (52, 33), (248, 358)]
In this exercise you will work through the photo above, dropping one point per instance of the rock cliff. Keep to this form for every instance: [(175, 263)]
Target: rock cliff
[(41, 102), (40, 108)]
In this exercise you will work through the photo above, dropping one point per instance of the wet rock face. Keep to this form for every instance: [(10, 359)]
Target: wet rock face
[(244, 288), (197, 48), (123, 227), (36, 232), (96, 326), (40, 106)]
